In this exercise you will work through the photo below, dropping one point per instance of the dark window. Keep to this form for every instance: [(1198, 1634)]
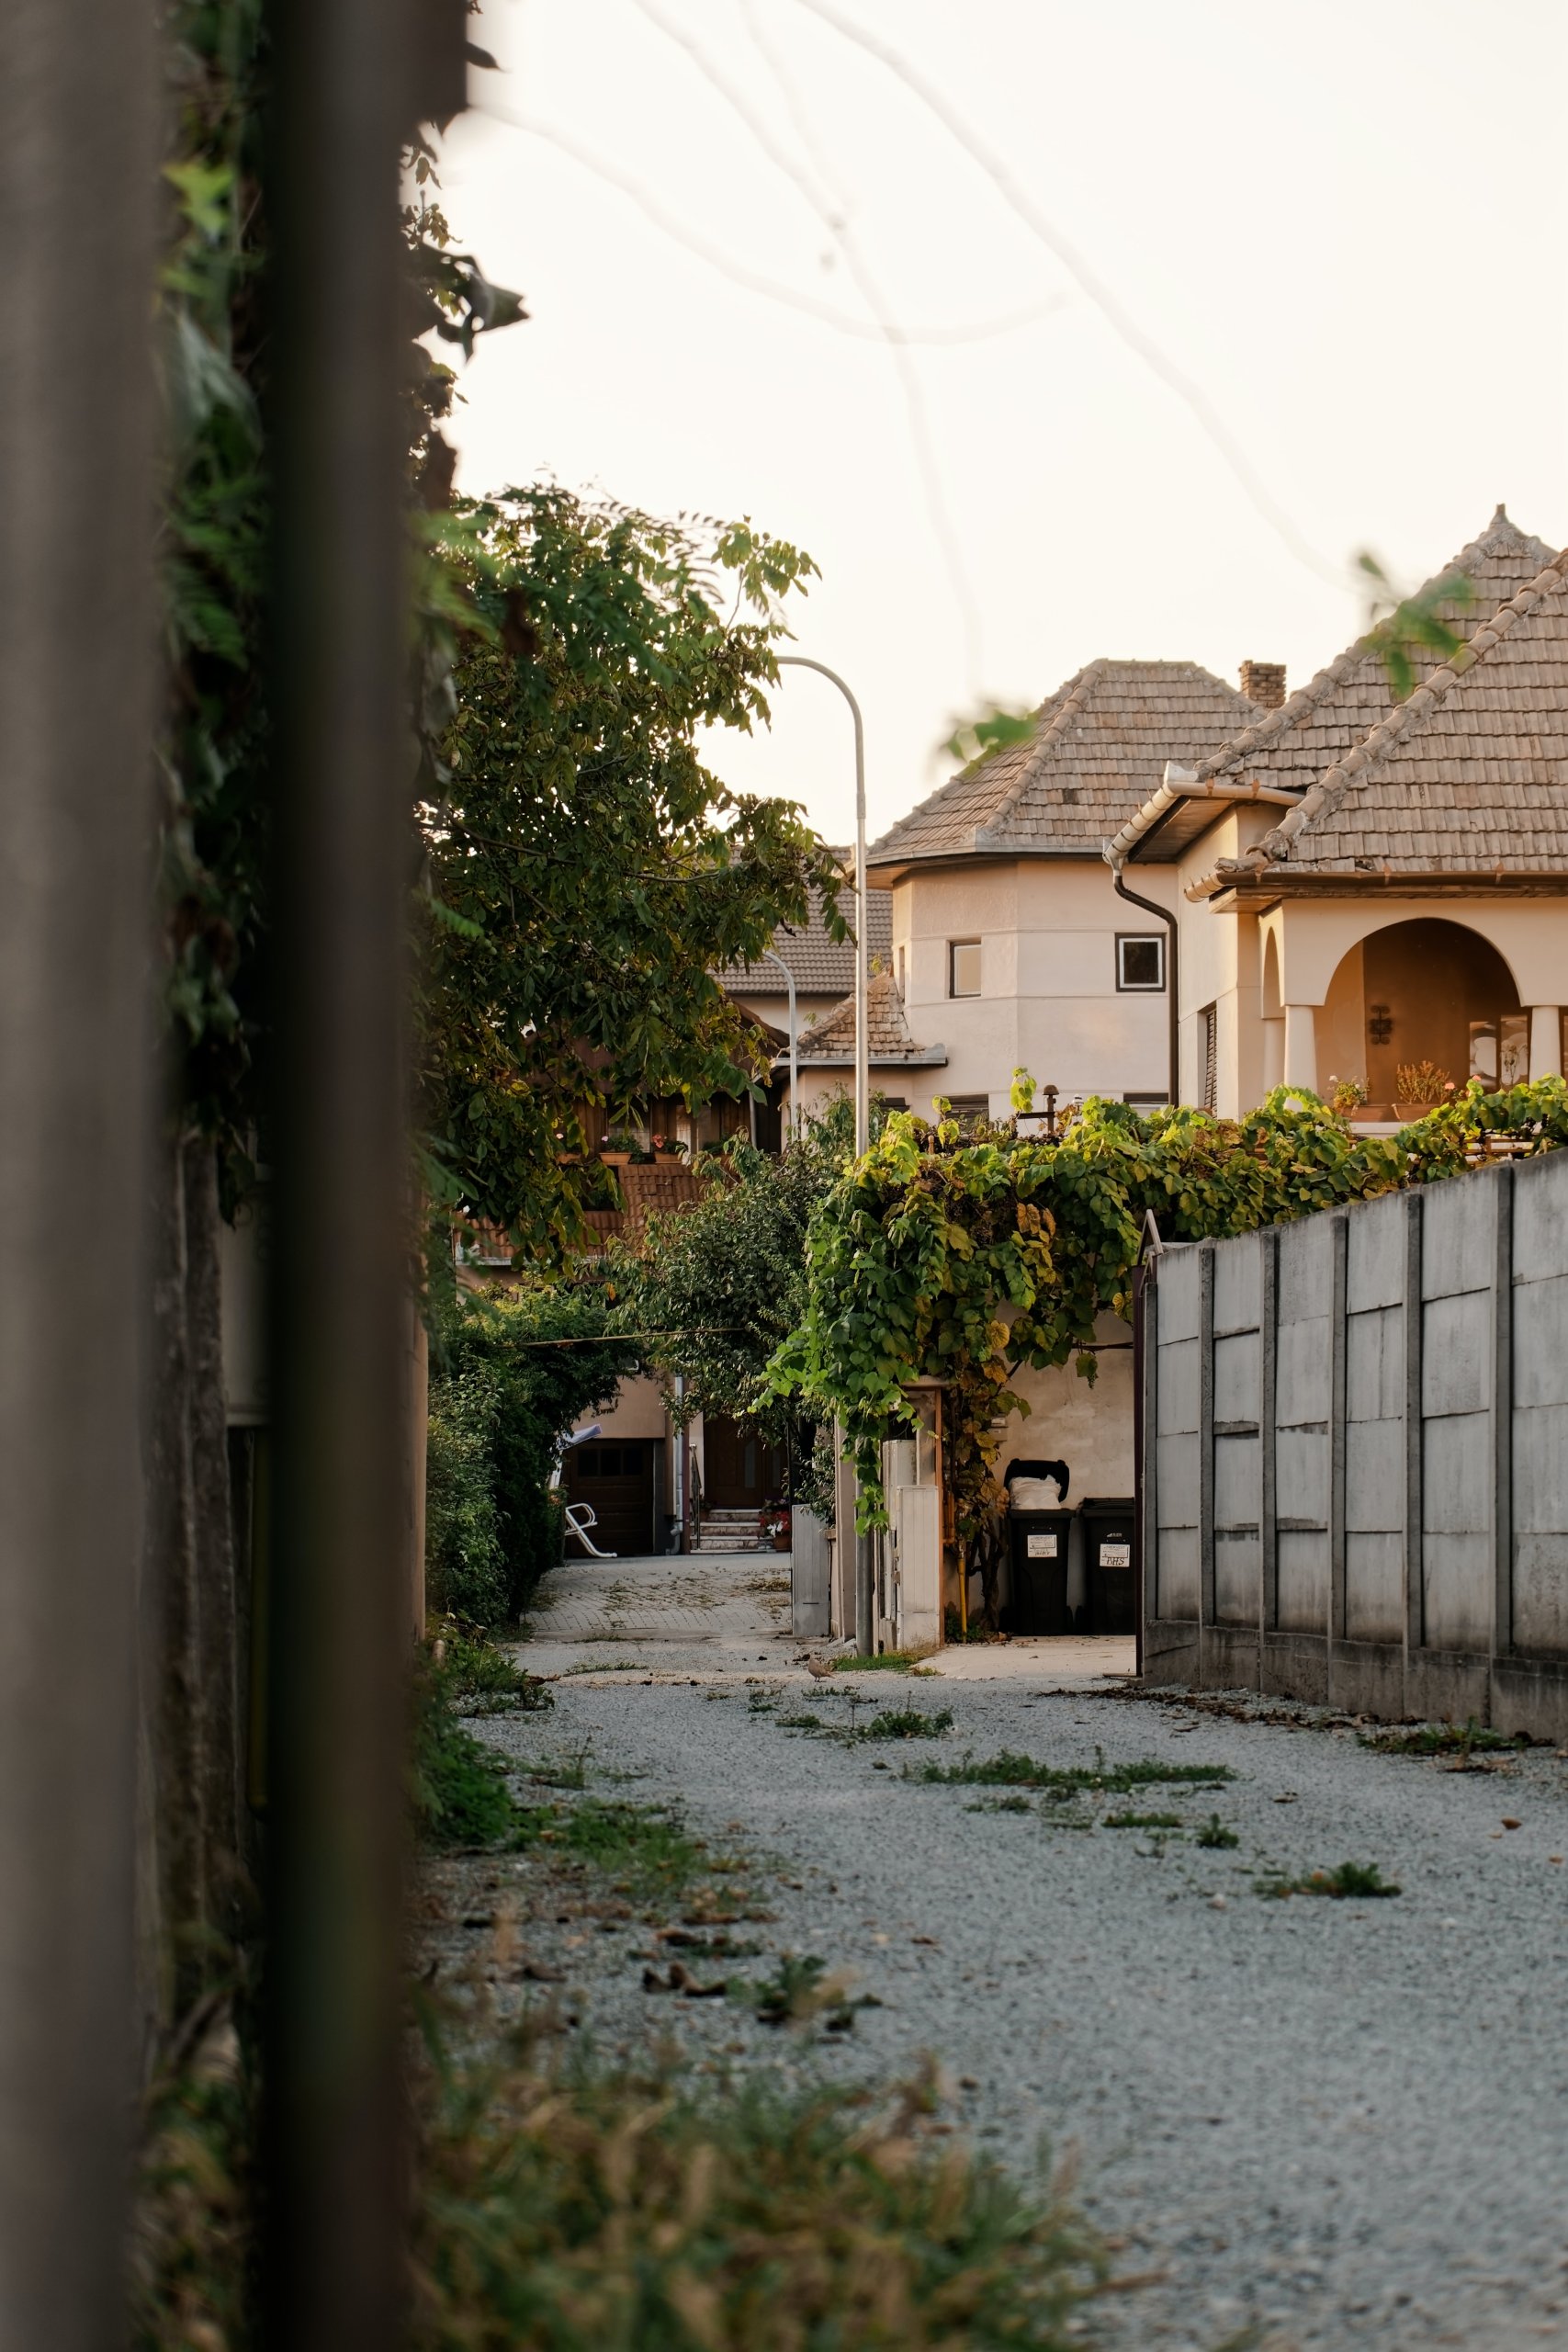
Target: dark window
[(970, 1109), (1208, 1055), (963, 967), (609, 1462), (1140, 960)]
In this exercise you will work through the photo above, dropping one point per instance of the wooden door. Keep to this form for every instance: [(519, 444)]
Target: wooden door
[(740, 1470)]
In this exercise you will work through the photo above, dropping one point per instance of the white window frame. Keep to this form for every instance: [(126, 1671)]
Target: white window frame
[(952, 987), (1124, 987)]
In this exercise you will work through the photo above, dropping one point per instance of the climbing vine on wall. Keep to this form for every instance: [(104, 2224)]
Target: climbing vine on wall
[(964, 1261)]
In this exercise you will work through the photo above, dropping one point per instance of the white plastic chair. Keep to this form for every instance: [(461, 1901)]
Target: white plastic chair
[(579, 1518)]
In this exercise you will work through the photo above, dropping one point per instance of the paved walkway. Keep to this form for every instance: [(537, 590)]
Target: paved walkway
[(719, 1615)]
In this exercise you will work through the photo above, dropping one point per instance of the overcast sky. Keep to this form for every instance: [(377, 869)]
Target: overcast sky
[(1273, 285)]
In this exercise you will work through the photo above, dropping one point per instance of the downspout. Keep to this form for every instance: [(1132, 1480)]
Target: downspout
[(1115, 861)]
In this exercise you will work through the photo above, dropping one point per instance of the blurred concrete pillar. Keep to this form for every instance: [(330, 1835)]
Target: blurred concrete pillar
[(79, 159)]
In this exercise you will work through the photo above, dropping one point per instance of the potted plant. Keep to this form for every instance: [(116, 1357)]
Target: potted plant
[(669, 1151), (615, 1152), (1419, 1087), (1345, 1095), (775, 1526)]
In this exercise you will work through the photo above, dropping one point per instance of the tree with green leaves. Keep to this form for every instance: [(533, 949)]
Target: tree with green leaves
[(585, 872)]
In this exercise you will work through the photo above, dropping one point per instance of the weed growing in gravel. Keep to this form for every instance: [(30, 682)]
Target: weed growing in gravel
[(1214, 1834), (1003, 1804), (1438, 1739), (568, 2207), (562, 1772), (799, 1990), (884, 1662), (611, 1666), (800, 1722), (1357, 1881), (647, 1848), (906, 1723), (1142, 1821), (1010, 1770), (475, 1677)]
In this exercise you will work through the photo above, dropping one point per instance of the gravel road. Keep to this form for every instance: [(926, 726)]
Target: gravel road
[(1339, 2122)]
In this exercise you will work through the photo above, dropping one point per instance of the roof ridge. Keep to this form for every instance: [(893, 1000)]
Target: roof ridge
[(1275, 723), (1329, 790)]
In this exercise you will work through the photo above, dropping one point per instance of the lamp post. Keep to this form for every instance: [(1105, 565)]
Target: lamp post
[(864, 1638), (863, 1078)]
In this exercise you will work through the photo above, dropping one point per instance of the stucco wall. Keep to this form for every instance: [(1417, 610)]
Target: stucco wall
[(1089, 1428), (1049, 1002)]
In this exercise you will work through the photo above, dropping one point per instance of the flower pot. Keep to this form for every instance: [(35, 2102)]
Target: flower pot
[(670, 1159), (1408, 1111), (616, 1159), (781, 1541)]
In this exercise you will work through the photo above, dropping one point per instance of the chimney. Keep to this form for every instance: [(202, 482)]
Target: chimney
[(1263, 684)]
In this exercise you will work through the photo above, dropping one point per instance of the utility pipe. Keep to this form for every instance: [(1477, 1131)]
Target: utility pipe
[(1173, 1011), (794, 1045)]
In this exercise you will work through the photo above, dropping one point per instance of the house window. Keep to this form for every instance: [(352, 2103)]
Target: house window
[(903, 970), (1139, 961), (970, 1109), (1208, 1057), (963, 967)]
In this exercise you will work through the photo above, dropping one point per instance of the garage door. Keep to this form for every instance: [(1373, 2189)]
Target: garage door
[(619, 1481)]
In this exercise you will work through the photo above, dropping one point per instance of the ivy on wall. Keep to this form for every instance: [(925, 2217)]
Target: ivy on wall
[(965, 1259)]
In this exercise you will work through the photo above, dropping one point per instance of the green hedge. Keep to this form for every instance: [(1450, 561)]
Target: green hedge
[(511, 1373)]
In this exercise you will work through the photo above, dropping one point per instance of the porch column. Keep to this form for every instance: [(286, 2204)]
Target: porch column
[(1301, 1046), (1546, 1041), (1274, 1052)]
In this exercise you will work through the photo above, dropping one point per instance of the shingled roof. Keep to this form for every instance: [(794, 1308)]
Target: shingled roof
[(1468, 776), (1098, 750), (830, 1042), (822, 966), (1319, 723)]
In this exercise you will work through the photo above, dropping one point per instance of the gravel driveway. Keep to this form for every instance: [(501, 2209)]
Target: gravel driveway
[(1343, 2123)]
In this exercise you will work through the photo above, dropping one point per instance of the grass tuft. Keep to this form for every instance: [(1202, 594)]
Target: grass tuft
[(576, 2209), (906, 1723), (1438, 1739), (1010, 1770), (1142, 1821), (884, 1662), (1358, 1882), (1214, 1834)]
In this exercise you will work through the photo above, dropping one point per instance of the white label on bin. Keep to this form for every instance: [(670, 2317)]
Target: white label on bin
[(1115, 1555), (1040, 1547)]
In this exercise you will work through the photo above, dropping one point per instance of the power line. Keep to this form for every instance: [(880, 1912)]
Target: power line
[(838, 228), (771, 289), (1111, 309)]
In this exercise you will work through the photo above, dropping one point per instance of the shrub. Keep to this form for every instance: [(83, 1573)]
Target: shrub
[(465, 1566)]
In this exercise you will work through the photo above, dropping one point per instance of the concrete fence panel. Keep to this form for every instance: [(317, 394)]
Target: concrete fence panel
[(1355, 1482)]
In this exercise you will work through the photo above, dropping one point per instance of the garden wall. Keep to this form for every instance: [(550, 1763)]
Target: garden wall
[(1355, 1455)]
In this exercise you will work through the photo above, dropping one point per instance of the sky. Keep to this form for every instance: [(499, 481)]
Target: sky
[(1212, 298)]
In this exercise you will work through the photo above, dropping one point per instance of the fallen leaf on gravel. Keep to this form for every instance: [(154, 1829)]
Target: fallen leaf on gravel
[(922, 1940), (652, 1982), (1289, 1797), (1509, 1822), (682, 1980), (542, 1973)]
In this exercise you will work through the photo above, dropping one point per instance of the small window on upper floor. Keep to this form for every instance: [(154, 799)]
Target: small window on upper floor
[(963, 967), (1140, 960)]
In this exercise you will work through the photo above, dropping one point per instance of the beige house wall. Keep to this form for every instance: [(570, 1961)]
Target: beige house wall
[(1088, 1428), (1048, 999)]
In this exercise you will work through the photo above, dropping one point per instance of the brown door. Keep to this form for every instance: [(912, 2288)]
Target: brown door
[(618, 1480), (740, 1470)]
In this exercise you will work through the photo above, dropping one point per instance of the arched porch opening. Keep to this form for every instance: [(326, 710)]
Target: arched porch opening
[(1426, 990)]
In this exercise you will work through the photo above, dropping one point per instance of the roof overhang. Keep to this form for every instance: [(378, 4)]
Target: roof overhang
[(1267, 885), (1182, 786), (928, 1058)]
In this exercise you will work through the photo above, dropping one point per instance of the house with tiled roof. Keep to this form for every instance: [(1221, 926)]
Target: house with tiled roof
[(1363, 886), (822, 967), (1010, 941)]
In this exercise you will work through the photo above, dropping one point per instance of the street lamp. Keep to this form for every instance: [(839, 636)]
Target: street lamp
[(863, 1078), (865, 1642)]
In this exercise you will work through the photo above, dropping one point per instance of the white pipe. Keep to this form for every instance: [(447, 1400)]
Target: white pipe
[(794, 1045), (1181, 784)]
